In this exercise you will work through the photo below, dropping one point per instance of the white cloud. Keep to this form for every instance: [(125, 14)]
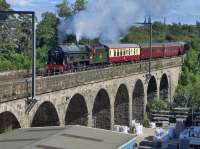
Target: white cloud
[(25, 3), (21, 3)]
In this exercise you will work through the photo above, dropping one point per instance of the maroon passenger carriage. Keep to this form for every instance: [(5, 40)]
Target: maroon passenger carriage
[(161, 50)]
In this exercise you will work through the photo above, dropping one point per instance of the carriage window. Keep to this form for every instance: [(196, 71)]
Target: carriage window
[(120, 52), (117, 52), (124, 52), (129, 51), (134, 51)]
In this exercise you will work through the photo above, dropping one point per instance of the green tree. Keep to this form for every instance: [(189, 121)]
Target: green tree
[(188, 96), (64, 9), (79, 5), (4, 5), (47, 30)]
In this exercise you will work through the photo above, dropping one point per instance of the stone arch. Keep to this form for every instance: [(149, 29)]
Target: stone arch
[(8, 122), (121, 106), (151, 94), (152, 89), (138, 101), (46, 115), (77, 111), (164, 88), (101, 112)]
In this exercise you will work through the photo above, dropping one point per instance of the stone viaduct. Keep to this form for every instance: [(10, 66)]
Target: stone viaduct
[(97, 98)]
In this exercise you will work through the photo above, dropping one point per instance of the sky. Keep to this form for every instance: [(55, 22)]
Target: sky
[(186, 11)]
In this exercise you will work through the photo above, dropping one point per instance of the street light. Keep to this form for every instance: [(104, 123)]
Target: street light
[(149, 23), (30, 101)]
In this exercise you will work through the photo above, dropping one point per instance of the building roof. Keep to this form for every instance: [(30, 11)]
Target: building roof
[(69, 137), (116, 46)]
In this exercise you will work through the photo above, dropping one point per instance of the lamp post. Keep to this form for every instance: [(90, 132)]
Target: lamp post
[(150, 43), (30, 101), (149, 23)]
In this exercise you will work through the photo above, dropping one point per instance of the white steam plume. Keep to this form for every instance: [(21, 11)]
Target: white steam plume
[(108, 20)]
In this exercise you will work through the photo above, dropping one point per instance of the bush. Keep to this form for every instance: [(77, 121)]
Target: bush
[(146, 123), (158, 104)]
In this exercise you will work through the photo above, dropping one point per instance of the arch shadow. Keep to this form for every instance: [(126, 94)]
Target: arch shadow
[(164, 88), (121, 106), (101, 113), (152, 89), (8, 122), (151, 95), (46, 115), (138, 101), (77, 112)]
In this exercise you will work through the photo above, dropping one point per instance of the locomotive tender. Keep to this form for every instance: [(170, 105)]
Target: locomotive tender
[(66, 57)]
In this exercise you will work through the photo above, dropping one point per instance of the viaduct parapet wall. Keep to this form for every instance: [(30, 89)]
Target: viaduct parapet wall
[(22, 89)]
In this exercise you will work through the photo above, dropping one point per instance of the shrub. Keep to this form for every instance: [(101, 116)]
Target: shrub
[(158, 104), (146, 123)]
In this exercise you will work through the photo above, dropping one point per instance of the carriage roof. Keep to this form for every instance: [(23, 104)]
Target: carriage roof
[(116, 46), (162, 44)]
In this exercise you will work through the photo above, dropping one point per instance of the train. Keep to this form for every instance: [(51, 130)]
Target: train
[(75, 56)]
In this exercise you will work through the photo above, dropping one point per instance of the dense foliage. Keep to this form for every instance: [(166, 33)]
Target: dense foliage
[(157, 105), (15, 39), (188, 91)]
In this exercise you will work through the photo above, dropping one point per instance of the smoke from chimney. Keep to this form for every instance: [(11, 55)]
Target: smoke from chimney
[(109, 20)]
